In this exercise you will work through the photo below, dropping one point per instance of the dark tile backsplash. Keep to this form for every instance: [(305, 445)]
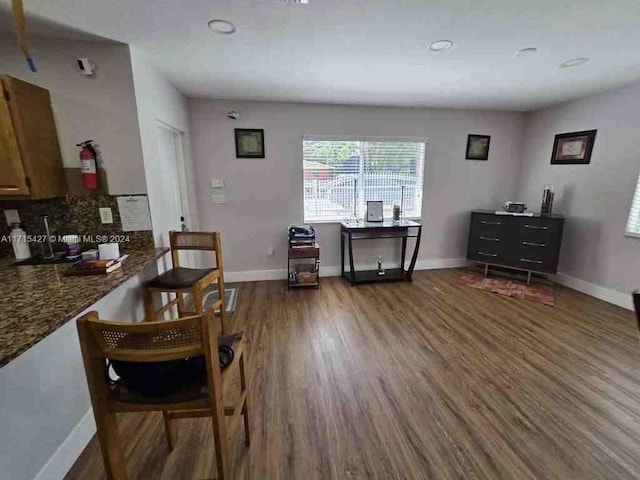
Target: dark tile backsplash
[(73, 214)]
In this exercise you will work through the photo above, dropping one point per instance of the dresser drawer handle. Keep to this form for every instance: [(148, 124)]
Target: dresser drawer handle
[(536, 227), (484, 222), (488, 254), (529, 261), (532, 244), (490, 239)]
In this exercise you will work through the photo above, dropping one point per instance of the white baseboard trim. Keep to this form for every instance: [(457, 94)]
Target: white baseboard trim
[(621, 299), (255, 275), (334, 271), (441, 263), (68, 452)]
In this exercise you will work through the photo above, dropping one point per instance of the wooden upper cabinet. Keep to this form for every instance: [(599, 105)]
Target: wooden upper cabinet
[(30, 160)]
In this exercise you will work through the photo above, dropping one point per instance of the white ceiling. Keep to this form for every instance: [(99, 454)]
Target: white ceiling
[(375, 51)]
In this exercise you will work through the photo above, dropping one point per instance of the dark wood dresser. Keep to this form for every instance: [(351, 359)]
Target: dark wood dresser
[(531, 244)]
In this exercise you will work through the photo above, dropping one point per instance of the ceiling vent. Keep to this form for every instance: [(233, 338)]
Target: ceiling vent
[(294, 2)]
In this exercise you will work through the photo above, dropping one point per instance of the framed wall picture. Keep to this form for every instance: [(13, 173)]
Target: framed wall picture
[(249, 142), (573, 148), (478, 147), (374, 211)]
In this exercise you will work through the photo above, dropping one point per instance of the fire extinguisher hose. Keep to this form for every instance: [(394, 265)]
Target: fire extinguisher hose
[(21, 33)]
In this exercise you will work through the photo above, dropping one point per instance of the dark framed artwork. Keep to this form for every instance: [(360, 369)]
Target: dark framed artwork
[(249, 142), (573, 148), (478, 147)]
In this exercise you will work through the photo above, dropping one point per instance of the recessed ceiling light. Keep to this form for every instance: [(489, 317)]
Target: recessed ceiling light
[(221, 26), (527, 52), (440, 45), (574, 62)]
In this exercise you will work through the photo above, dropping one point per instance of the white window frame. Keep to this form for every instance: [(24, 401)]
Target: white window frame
[(634, 199), (360, 138)]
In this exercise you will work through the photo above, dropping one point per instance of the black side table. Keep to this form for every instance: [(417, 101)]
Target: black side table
[(361, 230)]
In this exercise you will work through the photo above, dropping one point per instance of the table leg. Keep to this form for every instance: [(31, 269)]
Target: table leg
[(414, 257), (351, 265), (341, 254), (404, 253)]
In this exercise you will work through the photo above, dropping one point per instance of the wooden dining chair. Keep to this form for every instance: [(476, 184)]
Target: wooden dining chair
[(181, 281), (161, 341)]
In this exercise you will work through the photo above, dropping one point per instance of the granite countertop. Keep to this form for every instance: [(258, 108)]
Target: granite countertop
[(37, 300)]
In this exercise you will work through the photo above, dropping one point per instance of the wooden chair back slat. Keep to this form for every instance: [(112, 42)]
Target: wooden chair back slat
[(147, 341), (195, 241)]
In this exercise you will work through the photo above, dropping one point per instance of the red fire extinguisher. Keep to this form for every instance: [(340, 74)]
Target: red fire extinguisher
[(88, 157)]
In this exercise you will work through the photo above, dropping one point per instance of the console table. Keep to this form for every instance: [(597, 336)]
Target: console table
[(361, 230)]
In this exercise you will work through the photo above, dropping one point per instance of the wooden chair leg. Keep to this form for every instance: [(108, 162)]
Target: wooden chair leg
[(198, 307), (220, 440), (223, 308), (245, 408), (149, 306), (181, 310), (107, 431), (170, 430)]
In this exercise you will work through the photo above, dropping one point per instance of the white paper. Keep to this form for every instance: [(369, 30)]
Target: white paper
[(134, 213)]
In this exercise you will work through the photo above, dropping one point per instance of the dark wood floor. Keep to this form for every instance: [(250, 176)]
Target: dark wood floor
[(423, 380)]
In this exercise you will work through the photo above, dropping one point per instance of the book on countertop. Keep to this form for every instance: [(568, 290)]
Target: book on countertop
[(94, 267), (84, 264)]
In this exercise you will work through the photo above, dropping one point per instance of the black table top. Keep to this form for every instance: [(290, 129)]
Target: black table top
[(364, 225)]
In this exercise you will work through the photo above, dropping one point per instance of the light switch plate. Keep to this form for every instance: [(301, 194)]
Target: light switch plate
[(12, 217), (106, 215), (217, 183), (218, 199)]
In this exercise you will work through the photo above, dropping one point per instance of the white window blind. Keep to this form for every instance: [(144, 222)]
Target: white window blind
[(633, 225), (340, 173)]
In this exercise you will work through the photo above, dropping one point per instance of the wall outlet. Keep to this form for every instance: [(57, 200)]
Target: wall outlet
[(217, 183), (270, 251), (12, 217), (106, 215), (218, 198)]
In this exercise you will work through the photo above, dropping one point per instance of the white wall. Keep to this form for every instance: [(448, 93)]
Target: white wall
[(265, 195), (595, 198), (158, 100), (101, 107), (45, 419)]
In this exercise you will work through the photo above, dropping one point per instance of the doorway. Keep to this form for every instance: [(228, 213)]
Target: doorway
[(167, 188)]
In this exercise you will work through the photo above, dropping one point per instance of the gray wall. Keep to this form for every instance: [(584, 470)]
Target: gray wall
[(159, 101), (265, 195), (101, 107), (595, 198)]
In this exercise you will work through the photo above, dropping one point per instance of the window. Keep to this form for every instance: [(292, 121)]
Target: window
[(633, 225), (341, 174)]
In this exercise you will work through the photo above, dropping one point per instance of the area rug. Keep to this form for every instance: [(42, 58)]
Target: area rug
[(211, 296), (536, 294)]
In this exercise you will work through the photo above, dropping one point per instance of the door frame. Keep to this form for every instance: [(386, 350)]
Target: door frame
[(181, 168)]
